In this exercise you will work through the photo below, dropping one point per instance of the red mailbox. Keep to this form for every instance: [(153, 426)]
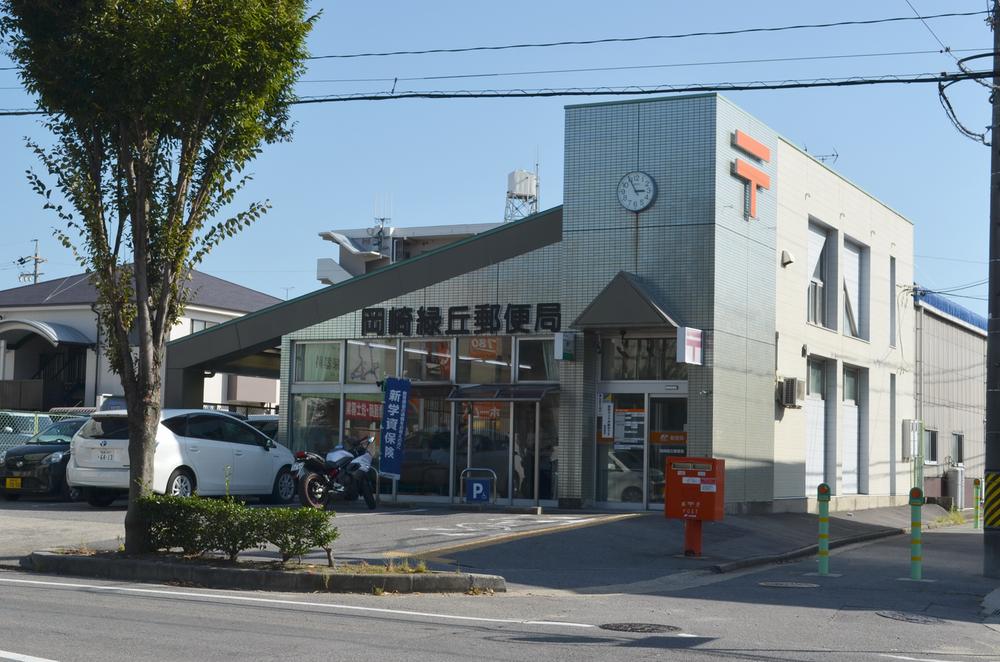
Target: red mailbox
[(695, 492)]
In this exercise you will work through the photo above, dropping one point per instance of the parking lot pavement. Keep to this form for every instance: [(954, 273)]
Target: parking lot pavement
[(26, 526), (373, 535)]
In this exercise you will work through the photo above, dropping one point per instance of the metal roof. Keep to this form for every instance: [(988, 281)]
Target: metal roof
[(502, 392), (205, 290), (625, 302), (228, 346), (14, 330), (949, 307)]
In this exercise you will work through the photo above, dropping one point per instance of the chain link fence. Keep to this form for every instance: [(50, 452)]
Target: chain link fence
[(17, 427)]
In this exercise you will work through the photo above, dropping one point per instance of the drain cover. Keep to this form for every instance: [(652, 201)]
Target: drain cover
[(647, 628), (787, 584), (910, 617)]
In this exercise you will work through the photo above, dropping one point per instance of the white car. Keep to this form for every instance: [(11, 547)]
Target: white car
[(207, 452)]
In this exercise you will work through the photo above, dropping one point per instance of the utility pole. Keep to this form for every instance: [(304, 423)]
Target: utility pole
[(991, 534), (36, 259)]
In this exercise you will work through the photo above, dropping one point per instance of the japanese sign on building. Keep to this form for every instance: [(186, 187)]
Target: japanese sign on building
[(484, 318), (397, 396)]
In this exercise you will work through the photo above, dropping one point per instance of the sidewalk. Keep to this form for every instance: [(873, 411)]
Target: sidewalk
[(569, 550)]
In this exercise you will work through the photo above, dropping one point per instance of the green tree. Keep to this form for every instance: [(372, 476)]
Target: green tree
[(156, 108)]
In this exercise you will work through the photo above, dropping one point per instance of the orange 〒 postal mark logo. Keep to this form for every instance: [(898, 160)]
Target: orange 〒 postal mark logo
[(753, 176)]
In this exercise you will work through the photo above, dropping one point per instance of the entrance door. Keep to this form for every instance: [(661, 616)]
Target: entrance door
[(621, 440), (667, 437)]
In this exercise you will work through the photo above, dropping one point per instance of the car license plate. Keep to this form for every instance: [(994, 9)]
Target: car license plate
[(12, 483), (106, 456), (297, 468)]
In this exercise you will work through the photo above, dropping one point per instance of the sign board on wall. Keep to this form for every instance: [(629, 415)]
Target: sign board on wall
[(689, 345), (565, 346), (607, 413)]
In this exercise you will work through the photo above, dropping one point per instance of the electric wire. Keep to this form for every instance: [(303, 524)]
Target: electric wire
[(612, 40), (538, 72), (895, 79)]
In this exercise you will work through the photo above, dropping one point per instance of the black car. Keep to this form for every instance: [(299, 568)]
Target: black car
[(39, 466)]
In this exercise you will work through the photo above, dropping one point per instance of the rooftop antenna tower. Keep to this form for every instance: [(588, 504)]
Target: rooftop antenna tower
[(381, 233), (522, 194)]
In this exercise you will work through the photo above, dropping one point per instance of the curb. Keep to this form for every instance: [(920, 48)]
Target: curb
[(809, 550), (259, 580)]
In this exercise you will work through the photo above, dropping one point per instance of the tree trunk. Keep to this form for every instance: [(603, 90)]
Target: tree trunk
[(143, 420)]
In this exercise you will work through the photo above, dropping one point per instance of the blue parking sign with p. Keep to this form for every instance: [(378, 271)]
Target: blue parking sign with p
[(478, 489)]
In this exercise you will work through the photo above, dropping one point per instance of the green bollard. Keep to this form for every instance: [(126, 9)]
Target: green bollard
[(823, 505), (916, 546), (975, 503)]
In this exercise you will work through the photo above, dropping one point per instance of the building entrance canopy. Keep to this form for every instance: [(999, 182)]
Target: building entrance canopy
[(15, 331)]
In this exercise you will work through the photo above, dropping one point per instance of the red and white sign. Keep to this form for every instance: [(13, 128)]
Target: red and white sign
[(689, 345), (754, 177)]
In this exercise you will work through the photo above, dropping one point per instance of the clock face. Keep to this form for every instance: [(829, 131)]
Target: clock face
[(636, 191)]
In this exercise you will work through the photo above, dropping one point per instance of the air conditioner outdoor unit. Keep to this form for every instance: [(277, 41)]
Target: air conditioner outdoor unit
[(792, 392)]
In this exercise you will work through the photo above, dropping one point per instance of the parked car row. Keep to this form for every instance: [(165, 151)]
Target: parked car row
[(210, 452)]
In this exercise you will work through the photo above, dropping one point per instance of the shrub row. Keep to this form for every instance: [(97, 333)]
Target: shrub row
[(196, 525)]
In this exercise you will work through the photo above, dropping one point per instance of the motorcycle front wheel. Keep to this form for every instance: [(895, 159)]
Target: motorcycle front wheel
[(313, 492)]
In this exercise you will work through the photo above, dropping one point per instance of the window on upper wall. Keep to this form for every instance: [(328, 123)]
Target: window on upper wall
[(536, 360), (819, 250), (201, 325), (930, 446), (641, 358), (815, 385), (370, 361), (316, 362), (958, 448), (855, 290), (851, 385), (892, 301)]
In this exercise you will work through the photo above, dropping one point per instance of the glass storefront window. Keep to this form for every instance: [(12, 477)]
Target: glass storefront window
[(427, 450), (427, 361), (536, 361), (315, 422), (524, 449), (483, 360), (370, 361), (362, 415), (316, 362), (490, 441), (641, 358)]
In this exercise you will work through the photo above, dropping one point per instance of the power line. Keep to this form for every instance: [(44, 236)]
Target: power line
[(613, 40), (927, 25), (639, 91), (803, 58), (887, 79)]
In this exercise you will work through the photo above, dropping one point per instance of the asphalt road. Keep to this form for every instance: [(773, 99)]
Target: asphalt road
[(852, 617)]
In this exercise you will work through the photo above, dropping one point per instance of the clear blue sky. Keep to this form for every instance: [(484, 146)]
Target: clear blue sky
[(446, 161)]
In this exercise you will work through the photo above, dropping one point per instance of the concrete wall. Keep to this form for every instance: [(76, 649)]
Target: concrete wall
[(808, 190)]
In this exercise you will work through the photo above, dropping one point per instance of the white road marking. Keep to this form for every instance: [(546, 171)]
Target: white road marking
[(384, 513), (17, 657), (913, 659), (296, 603)]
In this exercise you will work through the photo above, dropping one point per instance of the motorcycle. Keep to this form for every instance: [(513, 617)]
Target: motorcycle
[(341, 474)]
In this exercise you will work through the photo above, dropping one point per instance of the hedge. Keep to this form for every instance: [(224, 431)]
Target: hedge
[(197, 525)]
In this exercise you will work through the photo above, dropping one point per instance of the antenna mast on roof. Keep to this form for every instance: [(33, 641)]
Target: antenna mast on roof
[(380, 234), (36, 260)]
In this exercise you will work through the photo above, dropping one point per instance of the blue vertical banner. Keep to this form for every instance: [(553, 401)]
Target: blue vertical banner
[(397, 398)]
